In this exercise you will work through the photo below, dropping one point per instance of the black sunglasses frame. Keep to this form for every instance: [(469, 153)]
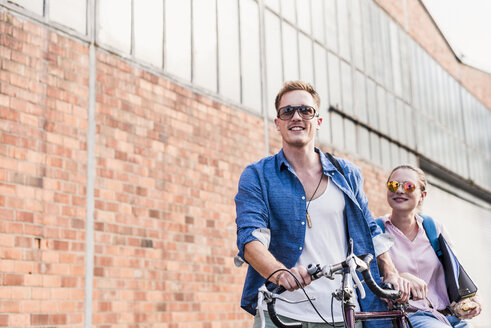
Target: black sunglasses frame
[(301, 111)]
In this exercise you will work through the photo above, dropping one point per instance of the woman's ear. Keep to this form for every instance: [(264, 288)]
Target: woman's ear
[(423, 196)]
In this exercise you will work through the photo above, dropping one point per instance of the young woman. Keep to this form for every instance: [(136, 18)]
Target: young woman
[(414, 256)]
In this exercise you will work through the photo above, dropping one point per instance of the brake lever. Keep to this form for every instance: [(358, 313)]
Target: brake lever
[(353, 266), (269, 297), (357, 264), (260, 298)]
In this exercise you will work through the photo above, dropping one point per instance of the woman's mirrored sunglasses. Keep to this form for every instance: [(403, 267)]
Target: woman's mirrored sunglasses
[(305, 112), (408, 187)]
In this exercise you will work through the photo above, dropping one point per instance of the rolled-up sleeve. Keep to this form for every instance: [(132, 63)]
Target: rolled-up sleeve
[(382, 243), (252, 213)]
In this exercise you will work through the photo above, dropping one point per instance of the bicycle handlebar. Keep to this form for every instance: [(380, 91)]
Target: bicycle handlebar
[(390, 294), (360, 264), (274, 317), (352, 263), (268, 293)]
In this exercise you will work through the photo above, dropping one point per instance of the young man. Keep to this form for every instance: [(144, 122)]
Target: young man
[(291, 211)]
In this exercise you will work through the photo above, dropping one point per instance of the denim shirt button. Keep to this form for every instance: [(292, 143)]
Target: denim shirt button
[(303, 197), (303, 223), (300, 248)]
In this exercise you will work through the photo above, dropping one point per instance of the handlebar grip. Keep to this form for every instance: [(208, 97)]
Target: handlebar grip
[(390, 294), (278, 290), (277, 321), (274, 288)]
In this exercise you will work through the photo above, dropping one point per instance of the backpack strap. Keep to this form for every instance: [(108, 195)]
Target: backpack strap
[(380, 223), (431, 233)]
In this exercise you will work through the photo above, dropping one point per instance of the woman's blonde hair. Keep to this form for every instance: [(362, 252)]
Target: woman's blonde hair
[(421, 174)]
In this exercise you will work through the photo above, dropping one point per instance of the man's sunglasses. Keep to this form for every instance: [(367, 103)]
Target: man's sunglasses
[(305, 112), (408, 187)]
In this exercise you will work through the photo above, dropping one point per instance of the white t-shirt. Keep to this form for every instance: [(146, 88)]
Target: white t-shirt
[(325, 244)]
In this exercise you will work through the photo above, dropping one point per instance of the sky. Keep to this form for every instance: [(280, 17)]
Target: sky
[(466, 25)]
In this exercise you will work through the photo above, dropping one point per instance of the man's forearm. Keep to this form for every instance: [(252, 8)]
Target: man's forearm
[(386, 266), (258, 256)]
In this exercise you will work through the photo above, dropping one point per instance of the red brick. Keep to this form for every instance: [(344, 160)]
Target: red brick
[(39, 319), (6, 214), (6, 113), (4, 320), (69, 282), (57, 319), (10, 42), (25, 217), (23, 242), (60, 245), (19, 320), (13, 279), (13, 228)]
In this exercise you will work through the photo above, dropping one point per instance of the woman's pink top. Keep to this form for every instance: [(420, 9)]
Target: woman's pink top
[(418, 258)]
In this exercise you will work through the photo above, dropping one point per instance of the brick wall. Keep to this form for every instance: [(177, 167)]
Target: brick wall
[(43, 133), (167, 166), (168, 163)]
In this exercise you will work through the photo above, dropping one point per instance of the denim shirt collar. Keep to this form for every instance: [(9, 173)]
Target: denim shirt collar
[(328, 169)]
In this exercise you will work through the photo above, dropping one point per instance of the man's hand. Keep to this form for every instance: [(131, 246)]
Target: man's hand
[(256, 254), (286, 280), (418, 287)]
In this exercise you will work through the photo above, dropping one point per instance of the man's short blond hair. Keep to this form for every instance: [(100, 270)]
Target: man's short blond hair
[(297, 85)]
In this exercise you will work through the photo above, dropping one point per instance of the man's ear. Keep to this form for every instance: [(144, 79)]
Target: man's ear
[(277, 123), (319, 123)]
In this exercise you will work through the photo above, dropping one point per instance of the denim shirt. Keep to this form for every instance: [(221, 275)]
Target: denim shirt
[(271, 208)]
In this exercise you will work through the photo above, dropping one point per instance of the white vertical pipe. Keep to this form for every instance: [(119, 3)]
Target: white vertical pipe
[(89, 221)]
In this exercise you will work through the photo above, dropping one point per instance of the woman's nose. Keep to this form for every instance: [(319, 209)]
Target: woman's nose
[(400, 189)]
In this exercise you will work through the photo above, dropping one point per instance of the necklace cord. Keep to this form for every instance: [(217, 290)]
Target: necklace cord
[(309, 221), (315, 191)]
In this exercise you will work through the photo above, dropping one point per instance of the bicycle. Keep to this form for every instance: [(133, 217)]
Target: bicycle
[(269, 292)]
